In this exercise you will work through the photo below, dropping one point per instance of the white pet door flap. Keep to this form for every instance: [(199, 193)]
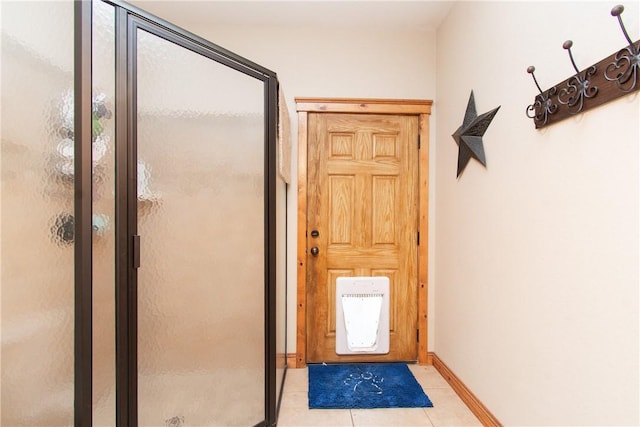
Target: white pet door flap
[(362, 315)]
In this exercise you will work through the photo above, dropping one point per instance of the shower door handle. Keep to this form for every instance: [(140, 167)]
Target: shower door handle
[(135, 246), (315, 251)]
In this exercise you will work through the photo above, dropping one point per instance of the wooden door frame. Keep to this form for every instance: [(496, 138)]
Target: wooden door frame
[(409, 107)]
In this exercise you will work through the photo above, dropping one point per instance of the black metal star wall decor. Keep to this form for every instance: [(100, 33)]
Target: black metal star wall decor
[(469, 135)]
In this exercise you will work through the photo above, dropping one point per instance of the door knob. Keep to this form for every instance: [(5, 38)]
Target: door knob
[(315, 251)]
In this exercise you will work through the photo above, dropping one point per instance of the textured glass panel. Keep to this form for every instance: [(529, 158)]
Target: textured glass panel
[(201, 221), (37, 279), (103, 215)]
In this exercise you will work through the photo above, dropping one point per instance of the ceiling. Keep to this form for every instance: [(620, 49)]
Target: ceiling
[(389, 14)]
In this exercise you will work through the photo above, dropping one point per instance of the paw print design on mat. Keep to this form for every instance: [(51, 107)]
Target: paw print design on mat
[(365, 382), (174, 421)]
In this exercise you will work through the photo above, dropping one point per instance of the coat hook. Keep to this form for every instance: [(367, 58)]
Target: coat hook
[(542, 108), (624, 68), (617, 11), (568, 45), (578, 87), (531, 70)]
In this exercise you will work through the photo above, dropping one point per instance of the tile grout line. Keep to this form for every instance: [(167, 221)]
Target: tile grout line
[(428, 417)]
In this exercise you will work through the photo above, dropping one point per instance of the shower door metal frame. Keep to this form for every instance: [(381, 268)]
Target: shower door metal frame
[(127, 20), (83, 248)]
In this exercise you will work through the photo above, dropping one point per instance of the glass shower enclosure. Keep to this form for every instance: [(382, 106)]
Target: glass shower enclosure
[(139, 207)]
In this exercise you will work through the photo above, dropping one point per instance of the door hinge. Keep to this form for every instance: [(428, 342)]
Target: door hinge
[(418, 238), (417, 335), (418, 141)]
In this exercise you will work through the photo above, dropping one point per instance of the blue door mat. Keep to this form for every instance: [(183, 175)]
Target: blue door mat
[(364, 385)]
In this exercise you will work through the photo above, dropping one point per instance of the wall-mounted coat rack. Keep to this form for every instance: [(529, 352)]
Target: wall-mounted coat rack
[(614, 76)]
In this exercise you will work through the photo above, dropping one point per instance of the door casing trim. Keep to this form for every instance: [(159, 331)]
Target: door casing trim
[(412, 107)]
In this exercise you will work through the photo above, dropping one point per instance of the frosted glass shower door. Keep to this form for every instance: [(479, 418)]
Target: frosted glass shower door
[(37, 181), (201, 221)]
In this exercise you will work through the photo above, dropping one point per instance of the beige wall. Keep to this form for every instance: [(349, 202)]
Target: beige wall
[(537, 255), (332, 62)]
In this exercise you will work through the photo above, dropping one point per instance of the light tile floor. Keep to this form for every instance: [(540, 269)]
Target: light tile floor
[(448, 410)]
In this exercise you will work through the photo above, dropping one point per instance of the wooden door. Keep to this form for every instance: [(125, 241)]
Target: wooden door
[(362, 216)]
